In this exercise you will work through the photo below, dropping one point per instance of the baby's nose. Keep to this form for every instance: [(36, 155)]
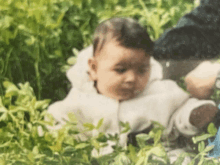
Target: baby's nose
[(130, 76)]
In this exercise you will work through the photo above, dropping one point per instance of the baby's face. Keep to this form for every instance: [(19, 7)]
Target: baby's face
[(121, 73)]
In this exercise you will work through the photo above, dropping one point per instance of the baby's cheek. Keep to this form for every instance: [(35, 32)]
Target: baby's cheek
[(110, 87), (114, 88), (143, 82)]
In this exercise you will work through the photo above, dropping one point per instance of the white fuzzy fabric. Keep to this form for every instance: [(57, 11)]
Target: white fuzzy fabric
[(162, 100)]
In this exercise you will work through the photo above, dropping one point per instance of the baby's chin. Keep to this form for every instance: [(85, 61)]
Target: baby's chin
[(127, 96), (121, 95)]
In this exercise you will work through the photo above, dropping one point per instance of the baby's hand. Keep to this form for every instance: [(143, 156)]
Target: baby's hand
[(200, 82), (203, 115)]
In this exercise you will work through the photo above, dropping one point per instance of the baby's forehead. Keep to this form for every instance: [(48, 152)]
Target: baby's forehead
[(124, 58)]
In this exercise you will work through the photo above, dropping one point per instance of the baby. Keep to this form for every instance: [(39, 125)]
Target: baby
[(120, 81)]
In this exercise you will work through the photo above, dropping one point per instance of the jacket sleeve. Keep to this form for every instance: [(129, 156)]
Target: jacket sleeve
[(182, 106), (182, 116), (196, 35)]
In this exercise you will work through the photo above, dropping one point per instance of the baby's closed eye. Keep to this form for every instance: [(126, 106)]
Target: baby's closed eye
[(120, 70)]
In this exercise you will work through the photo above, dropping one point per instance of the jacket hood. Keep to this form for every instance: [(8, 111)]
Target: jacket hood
[(79, 78)]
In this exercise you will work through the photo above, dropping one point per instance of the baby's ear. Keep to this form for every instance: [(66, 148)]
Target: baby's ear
[(92, 68)]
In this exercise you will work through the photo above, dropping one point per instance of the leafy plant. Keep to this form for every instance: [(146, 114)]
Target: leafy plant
[(26, 138), (37, 36)]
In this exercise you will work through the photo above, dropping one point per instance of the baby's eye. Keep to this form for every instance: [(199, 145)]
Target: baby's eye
[(120, 70)]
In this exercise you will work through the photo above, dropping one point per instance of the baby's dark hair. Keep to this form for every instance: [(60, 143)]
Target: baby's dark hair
[(126, 31)]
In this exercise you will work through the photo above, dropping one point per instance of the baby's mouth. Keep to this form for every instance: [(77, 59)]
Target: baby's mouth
[(131, 91)]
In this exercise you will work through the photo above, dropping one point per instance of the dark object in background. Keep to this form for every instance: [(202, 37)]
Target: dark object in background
[(196, 35)]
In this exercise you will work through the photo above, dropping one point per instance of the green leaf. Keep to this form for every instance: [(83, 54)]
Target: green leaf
[(30, 41), (99, 123), (39, 156), (125, 127), (31, 157), (42, 104), (78, 3), (96, 144), (102, 137), (35, 150), (7, 21), (49, 119), (121, 159), (11, 89), (140, 160), (82, 145), (89, 126), (201, 160), (212, 129), (157, 137), (71, 60), (208, 148), (61, 17), (201, 146), (132, 153), (68, 151), (157, 125), (158, 151), (1, 103), (4, 117), (75, 52), (5, 144), (201, 138), (141, 139), (72, 118), (2, 161)]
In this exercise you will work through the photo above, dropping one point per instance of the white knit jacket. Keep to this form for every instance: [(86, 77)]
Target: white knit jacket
[(162, 101)]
